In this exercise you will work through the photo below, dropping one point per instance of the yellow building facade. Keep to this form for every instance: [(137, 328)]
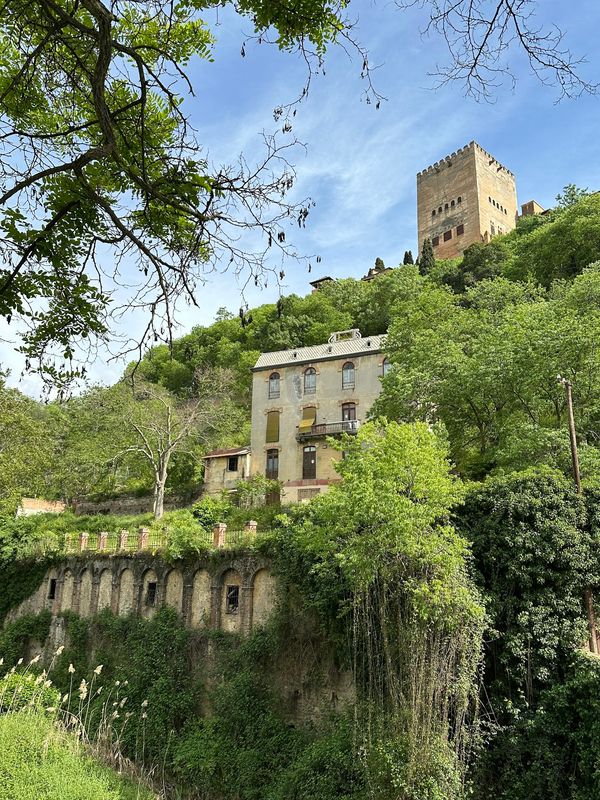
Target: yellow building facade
[(300, 397)]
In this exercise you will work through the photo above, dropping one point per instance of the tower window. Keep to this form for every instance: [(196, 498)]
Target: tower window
[(452, 203), (505, 211), (459, 200), (492, 229), (446, 207), (490, 199), (440, 209), (385, 366), (447, 236), (433, 213), (52, 589), (460, 229), (435, 241)]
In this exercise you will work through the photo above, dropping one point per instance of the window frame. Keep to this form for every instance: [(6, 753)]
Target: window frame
[(231, 459), (309, 448), (232, 590), (345, 368), (151, 592), (386, 366), (273, 393), (460, 229), (310, 372), (447, 235), (435, 242), (272, 457)]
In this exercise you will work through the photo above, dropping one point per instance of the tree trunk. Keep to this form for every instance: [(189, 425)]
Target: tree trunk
[(159, 496)]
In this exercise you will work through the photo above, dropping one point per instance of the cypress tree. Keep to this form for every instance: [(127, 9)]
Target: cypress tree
[(427, 260), (408, 257)]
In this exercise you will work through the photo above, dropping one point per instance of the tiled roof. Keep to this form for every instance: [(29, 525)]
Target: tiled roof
[(228, 451), (321, 352)]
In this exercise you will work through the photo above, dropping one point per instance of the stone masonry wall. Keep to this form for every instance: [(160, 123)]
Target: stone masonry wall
[(234, 596)]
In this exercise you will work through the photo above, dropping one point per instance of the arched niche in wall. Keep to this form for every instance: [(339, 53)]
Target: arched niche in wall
[(149, 594), (174, 590), (231, 598), (264, 597), (66, 598), (105, 590), (126, 598), (85, 593), (201, 595)]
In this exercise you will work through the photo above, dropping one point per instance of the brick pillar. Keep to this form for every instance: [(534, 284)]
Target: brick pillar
[(83, 541), (219, 534), (251, 527), (114, 595), (102, 541), (94, 594), (123, 536), (143, 538)]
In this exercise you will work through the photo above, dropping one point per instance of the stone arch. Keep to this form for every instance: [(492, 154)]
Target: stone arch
[(231, 611), (174, 590), (149, 597), (85, 593), (126, 588), (264, 596), (201, 599), (66, 597), (105, 589)]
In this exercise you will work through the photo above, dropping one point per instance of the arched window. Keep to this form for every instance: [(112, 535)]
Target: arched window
[(452, 203), (440, 209), (273, 385), (348, 375), (309, 463), (459, 200), (433, 213), (310, 380), (385, 366), (272, 471)]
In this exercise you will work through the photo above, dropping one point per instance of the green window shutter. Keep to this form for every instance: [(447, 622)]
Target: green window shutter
[(273, 426)]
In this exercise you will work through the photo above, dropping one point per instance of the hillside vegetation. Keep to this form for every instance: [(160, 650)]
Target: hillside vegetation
[(446, 571)]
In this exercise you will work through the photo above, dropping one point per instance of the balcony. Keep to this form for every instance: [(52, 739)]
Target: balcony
[(327, 429)]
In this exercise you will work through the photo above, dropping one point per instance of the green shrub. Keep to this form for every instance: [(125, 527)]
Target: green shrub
[(15, 637), (554, 752), (211, 510), (19, 690)]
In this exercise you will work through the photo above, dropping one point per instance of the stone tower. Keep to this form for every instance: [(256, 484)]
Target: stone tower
[(466, 197)]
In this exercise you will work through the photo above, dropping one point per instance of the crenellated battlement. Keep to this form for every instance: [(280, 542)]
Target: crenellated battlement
[(447, 160)]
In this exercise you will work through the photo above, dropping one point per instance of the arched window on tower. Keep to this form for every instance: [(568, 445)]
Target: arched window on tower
[(385, 366)]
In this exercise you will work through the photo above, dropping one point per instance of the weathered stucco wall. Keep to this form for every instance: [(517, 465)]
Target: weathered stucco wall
[(234, 595)]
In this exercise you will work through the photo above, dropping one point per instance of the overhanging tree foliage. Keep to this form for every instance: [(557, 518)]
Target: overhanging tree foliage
[(100, 172)]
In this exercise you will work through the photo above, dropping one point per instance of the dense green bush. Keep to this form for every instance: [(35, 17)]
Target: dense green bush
[(21, 689), (534, 555), (552, 753)]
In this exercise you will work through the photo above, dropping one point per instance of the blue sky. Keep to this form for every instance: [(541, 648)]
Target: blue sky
[(360, 164)]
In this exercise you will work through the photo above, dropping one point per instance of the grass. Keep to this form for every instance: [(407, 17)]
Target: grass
[(39, 760)]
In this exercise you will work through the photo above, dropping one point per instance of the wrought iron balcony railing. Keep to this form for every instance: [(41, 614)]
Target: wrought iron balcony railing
[(328, 429)]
